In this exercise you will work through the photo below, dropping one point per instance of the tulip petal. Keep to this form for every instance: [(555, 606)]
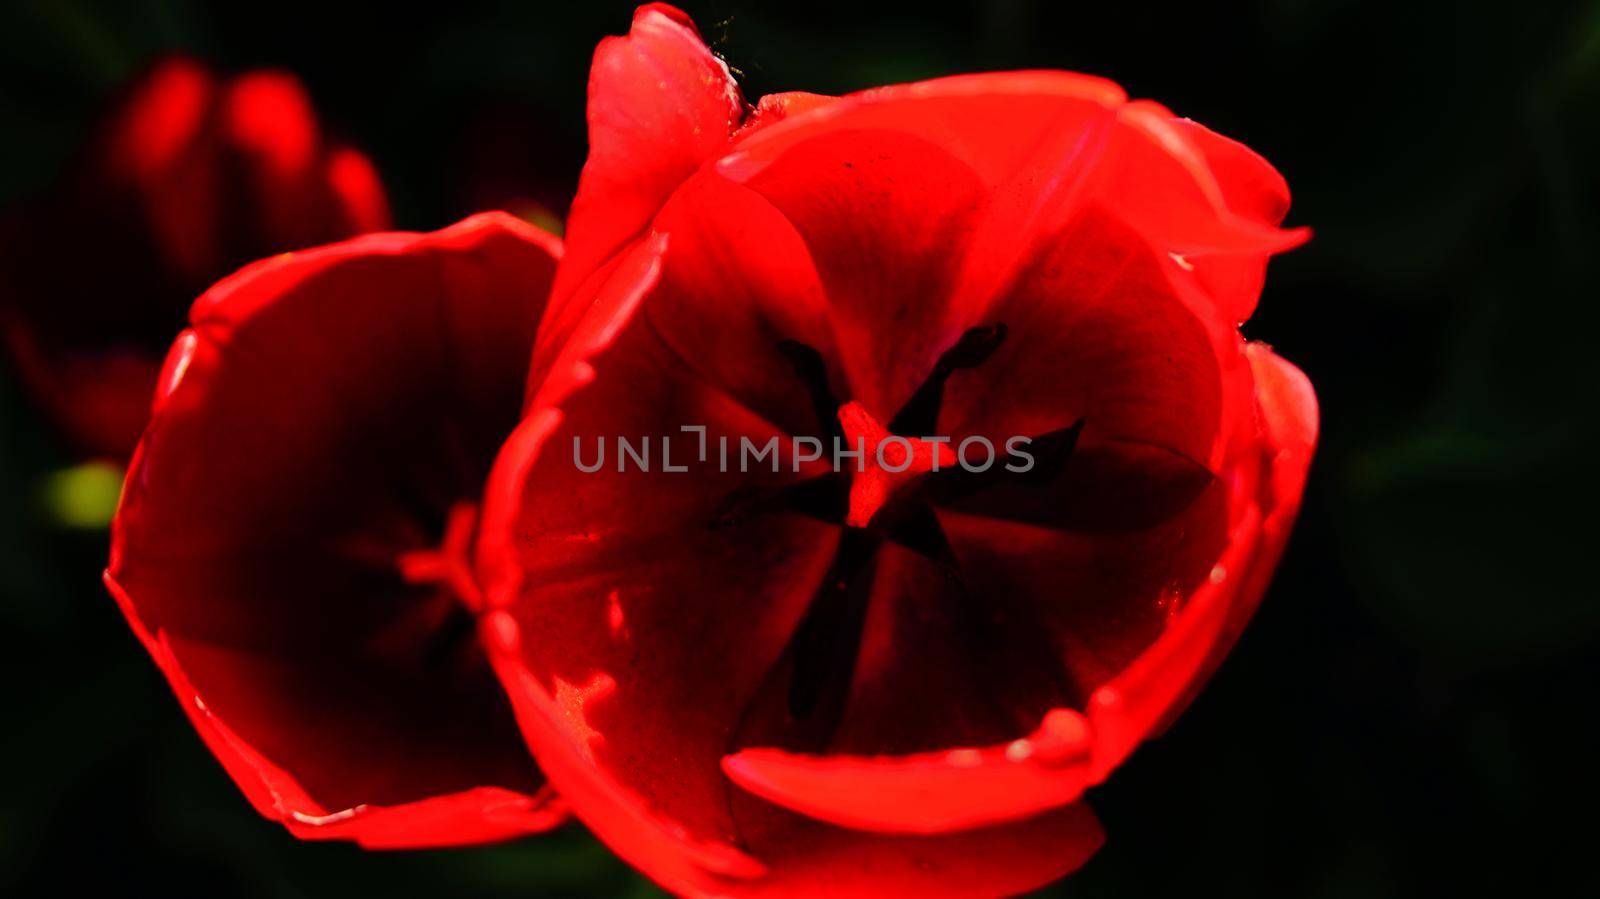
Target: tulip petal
[(475, 815), (359, 193), (660, 104), (1289, 430), (883, 215), (738, 281), (1251, 188), (1097, 330), (928, 792), (810, 858), (311, 431), (996, 123), (1156, 686), (1159, 182), (1037, 137), (592, 565)]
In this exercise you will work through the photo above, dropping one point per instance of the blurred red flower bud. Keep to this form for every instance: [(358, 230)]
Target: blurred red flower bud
[(191, 176)]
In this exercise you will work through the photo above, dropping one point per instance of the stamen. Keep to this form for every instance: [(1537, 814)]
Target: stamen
[(812, 371), (828, 638), (920, 415), (1050, 452)]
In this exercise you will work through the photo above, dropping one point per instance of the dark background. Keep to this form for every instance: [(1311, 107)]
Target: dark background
[(1410, 710)]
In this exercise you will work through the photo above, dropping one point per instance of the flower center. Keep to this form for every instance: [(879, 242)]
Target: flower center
[(891, 498), (446, 568), (887, 462), (448, 564)]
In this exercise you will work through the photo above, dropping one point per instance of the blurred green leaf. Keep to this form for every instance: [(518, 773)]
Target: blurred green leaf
[(84, 496)]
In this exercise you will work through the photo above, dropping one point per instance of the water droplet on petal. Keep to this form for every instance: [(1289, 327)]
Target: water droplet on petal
[(1063, 737), (964, 758), (502, 632)]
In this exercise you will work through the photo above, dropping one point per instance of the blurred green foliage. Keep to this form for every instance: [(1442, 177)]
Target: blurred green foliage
[(1411, 709), (83, 496)]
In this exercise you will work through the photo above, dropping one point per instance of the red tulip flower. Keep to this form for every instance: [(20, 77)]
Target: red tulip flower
[(291, 545), (897, 678), (191, 177)]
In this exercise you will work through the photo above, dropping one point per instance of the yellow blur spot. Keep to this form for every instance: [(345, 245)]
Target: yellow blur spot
[(539, 216), (83, 496)]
